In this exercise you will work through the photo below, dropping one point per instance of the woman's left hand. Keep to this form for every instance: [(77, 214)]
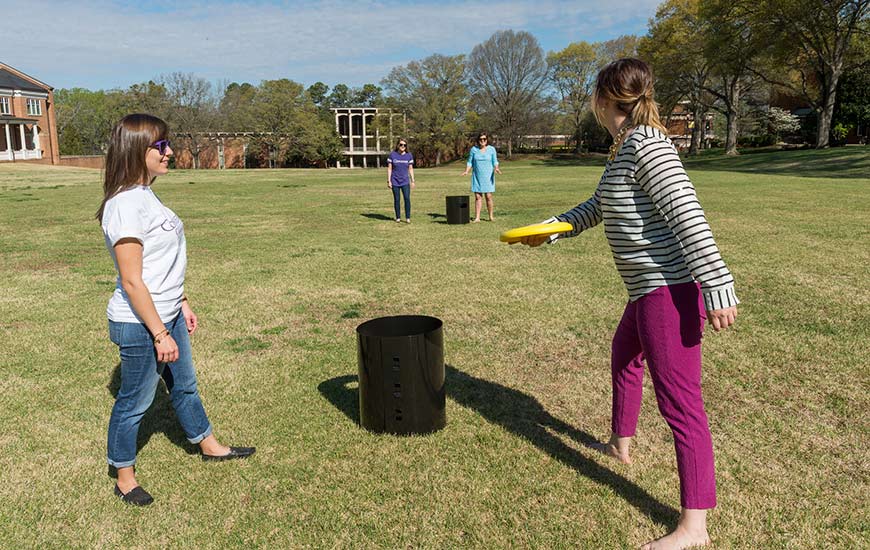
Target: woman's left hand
[(413, 185), (722, 318), (190, 318), (497, 171)]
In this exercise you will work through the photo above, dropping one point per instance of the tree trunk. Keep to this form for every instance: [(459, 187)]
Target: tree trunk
[(826, 111), (697, 129), (731, 133), (578, 138), (731, 117), (437, 157)]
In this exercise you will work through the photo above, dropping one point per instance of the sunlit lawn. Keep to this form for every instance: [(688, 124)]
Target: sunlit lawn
[(284, 264)]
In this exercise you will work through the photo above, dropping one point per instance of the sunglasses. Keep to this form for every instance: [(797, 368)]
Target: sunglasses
[(482, 139), (161, 146), (403, 145)]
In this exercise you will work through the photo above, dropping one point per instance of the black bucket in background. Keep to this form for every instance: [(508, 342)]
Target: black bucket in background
[(458, 209), (401, 375)]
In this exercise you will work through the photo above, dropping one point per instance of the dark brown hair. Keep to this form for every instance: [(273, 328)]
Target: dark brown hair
[(125, 158), (628, 82), (400, 140)]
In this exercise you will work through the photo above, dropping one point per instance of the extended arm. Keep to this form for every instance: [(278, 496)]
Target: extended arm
[(582, 217)]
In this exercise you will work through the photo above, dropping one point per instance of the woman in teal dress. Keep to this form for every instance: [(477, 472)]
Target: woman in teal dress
[(483, 164)]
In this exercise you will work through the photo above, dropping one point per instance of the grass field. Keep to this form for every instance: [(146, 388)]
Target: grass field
[(283, 265)]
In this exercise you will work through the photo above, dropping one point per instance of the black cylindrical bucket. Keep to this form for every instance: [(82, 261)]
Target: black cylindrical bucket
[(401, 375), (457, 209)]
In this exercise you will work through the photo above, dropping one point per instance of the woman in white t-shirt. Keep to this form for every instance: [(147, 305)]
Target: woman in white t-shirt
[(150, 319)]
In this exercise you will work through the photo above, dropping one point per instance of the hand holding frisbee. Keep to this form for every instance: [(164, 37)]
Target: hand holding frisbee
[(517, 234)]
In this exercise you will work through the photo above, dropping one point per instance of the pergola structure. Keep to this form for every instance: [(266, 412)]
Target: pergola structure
[(354, 124)]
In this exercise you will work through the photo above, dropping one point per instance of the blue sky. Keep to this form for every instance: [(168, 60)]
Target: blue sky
[(103, 44)]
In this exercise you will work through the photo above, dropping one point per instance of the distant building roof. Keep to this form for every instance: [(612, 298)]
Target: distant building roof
[(9, 79)]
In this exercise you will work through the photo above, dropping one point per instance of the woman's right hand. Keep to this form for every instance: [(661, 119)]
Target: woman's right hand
[(465, 173), (534, 240), (390, 184), (167, 349)]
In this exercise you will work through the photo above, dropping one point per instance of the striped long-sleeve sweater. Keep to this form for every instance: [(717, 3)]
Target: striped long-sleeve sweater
[(657, 231)]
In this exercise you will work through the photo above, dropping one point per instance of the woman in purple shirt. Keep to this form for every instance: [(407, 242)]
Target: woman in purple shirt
[(400, 177)]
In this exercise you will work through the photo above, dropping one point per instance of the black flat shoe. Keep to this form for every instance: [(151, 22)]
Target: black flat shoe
[(137, 496), (235, 452)]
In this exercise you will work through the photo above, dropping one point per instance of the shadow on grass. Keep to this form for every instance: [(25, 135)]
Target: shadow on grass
[(159, 418), (524, 416), (373, 216), (437, 218), (836, 162), (343, 398), (586, 159)]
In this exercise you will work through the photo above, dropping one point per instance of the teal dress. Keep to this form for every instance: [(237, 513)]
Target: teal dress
[(482, 164)]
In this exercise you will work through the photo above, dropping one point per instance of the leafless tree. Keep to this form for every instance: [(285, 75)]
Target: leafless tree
[(507, 74)]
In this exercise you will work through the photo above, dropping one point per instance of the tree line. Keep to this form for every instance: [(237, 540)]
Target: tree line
[(725, 56)]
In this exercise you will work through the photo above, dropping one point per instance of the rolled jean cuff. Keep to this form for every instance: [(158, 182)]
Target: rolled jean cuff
[(200, 437), (123, 464)]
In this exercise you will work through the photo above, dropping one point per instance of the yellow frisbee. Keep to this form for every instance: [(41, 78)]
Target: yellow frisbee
[(539, 229)]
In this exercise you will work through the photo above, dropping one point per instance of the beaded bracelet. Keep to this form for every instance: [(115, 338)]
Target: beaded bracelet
[(159, 335)]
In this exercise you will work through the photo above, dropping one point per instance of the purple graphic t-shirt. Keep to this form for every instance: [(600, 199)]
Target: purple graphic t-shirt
[(400, 163)]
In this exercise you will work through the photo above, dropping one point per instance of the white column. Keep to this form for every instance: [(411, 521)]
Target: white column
[(23, 141), (365, 147), (36, 141), (8, 142), (350, 132), (377, 118)]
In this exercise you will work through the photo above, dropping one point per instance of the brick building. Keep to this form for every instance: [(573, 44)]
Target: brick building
[(28, 125), (680, 124)]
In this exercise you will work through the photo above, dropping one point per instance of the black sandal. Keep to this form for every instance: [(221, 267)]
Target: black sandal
[(137, 496), (235, 452)]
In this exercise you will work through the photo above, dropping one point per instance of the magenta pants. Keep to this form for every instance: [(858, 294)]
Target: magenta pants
[(664, 329)]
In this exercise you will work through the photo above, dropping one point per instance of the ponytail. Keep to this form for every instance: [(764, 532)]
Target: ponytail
[(629, 82), (646, 112)]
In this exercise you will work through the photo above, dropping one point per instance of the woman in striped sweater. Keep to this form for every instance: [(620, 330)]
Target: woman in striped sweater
[(675, 277)]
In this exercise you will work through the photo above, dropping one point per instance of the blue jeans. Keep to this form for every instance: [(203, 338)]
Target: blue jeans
[(406, 192), (140, 373)]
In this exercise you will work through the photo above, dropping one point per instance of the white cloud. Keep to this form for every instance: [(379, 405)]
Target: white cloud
[(104, 41)]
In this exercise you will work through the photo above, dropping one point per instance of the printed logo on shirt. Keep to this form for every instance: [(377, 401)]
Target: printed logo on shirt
[(172, 223)]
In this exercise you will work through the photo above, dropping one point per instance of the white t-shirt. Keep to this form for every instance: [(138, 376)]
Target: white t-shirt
[(137, 213)]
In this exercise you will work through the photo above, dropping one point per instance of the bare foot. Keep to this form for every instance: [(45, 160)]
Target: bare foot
[(679, 539), (475, 220), (610, 450)]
